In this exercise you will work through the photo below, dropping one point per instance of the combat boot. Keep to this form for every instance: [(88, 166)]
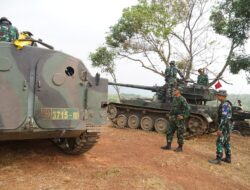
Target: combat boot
[(167, 147), (178, 149), (227, 159), (215, 161)]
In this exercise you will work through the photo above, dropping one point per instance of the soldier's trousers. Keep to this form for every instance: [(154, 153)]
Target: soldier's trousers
[(179, 126), (223, 142)]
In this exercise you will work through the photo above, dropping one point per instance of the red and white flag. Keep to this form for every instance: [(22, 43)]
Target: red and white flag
[(217, 85)]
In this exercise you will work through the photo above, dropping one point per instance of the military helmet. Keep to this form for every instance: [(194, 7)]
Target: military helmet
[(178, 88), (172, 63), (4, 19), (221, 93)]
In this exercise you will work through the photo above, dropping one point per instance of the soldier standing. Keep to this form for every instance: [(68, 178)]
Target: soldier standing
[(202, 78), (171, 78), (225, 127), (179, 112), (8, 33)]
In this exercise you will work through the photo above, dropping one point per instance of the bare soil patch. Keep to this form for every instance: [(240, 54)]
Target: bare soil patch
[(124, 159)]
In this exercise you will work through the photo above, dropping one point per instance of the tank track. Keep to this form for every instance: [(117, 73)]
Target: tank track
[(241, 128), (150, 119), (77, 145)]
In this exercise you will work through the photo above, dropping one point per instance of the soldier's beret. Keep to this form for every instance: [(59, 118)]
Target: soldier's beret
[(221, 93), (178, 88)]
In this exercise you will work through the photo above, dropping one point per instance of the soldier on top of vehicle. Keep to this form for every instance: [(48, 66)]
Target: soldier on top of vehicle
[(202, 78), (171, 78), (224, 130), (8, 32), (177, 116)]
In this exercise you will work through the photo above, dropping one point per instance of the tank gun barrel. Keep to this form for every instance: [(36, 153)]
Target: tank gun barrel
[(151, 88)]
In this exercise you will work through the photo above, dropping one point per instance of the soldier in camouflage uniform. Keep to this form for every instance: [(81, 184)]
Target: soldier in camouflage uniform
[(8, 33), (171, 78), (225, 127), (179, 112), (202, 78)]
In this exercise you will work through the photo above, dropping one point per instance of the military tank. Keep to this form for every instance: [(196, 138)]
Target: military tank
[(241, 121), (152, 114), (47, 94)]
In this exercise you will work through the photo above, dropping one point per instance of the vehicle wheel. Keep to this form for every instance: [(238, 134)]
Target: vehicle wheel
[(121, 121), (112, 111), (196, 125), (77, 145), (133, 122), (236, 132), (161, 125), (147, 123)]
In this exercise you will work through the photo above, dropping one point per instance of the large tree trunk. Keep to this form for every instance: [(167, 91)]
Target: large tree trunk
[(224, 67)]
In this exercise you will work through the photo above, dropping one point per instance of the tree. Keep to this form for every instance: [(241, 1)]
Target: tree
[(103, 59), (231, 18), (142, 33)]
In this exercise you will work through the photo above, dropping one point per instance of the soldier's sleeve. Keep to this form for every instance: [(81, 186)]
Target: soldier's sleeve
[(180, 73), (198, 79), (186, 108), (206, 80), (17, 33)]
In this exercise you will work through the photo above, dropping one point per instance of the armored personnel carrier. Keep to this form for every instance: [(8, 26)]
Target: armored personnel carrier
[(152, 114), (48, 94)]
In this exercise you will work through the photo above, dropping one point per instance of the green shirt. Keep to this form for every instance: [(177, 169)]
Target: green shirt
[(202, 80), (180, 107), (8, 33)]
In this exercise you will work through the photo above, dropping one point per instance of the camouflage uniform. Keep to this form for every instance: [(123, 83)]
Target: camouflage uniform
[(225, 126), (8, 33), (202, 80), (180, 107), (171, 79)]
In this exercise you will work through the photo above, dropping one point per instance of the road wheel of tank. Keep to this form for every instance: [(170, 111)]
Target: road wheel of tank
[(121, 121), (133, 122), (236, 132), (147, 123), (161, 125), (112, 111), (78, 145), (196, 125)]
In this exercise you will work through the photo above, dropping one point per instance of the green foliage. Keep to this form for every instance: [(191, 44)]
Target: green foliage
[(148, 18), (239, 62), (232, 19), (103, 59)]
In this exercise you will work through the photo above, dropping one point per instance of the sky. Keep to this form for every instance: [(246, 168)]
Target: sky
[(78, 27)]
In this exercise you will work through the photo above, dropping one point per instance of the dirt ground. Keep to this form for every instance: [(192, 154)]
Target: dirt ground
[(124, 159)]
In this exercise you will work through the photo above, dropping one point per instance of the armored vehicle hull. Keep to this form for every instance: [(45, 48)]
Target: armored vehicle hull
[(49, 94)]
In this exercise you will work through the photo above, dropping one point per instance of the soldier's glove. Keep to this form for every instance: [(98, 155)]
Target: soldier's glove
[(180, 117), (219, 133)]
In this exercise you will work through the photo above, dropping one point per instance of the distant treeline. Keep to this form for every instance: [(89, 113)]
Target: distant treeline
[(245, 99)]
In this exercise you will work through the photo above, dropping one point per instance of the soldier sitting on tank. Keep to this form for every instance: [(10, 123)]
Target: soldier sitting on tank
[(225, 127), (171, 78), (178, 114), (8, 33), (202, 78)]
